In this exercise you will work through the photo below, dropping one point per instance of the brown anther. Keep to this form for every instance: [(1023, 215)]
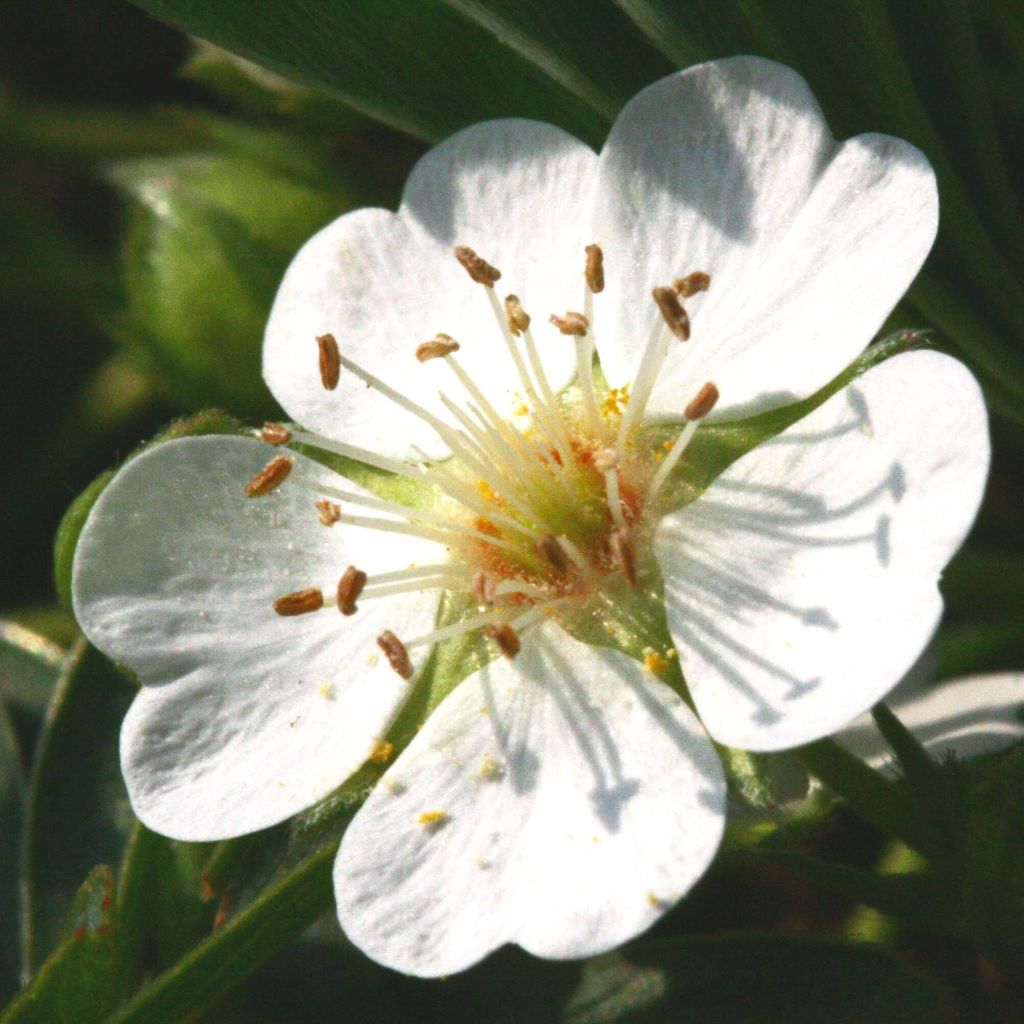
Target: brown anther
[(672, 311), (698, 281), (518, 318), (476, 266), (442, 345), (330, 361), (703, 402), (300, 602), (275, 434), (572, 323), (483, 587), (621, 544), (552, 552), (270, 477), (594, 272), (505, 637), (328, 511), (394, 650), (350, 586)]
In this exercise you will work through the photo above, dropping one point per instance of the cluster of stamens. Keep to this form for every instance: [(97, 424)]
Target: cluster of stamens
[(540, 521)]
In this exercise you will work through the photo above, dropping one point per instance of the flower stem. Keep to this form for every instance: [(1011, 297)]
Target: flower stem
[(882, 803)]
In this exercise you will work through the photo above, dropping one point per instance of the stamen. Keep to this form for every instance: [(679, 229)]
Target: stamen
[(483, 587), (456, 629), (438, 569), (574, 324), (651, 361), (575, 554), (350, 586), (517, 317), (330, 361), (300, 602), (442, 345), (478, 268), (270, 477), (328, 511), (552, 552), (396, 653), (594, 272), (703, 402), (349, 451), (673, 313), (505, 637), (613, 497), (410, 586), (275, 434), (621, 544), (444, 535), (698, 281), (585, 366)]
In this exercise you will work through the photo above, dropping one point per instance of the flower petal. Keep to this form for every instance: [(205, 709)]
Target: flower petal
[(965, 717), (802, 585), (581, 800), (519, 193), (246, 716), (729, 168)]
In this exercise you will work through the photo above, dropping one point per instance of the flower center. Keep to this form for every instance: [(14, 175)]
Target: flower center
[(544, 513)]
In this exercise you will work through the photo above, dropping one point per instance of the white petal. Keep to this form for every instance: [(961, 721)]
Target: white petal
[(245, 717), (518, 192), (729, 168), (582, 800), (803, 584), (965, 717)]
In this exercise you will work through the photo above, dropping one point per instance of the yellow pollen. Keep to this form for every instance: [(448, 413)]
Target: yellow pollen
[(432, 820), (654, 662), (325, 690), (615, 401), (489, 769), (382, 752), (486, 491)]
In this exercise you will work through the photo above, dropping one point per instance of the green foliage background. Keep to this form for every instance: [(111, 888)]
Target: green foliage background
[(152, 189)]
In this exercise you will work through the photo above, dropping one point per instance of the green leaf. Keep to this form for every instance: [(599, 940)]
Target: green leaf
[(12, 820), (29, 666), (77, 983), (78, 808), (752, 979), (230, 219), (421, 66)]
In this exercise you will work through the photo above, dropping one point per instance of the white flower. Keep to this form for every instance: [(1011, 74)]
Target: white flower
[(563, 796)]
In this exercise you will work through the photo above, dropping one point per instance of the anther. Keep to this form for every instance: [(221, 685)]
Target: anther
[(300, 602), (505, 637), (394, 650), (621, 544), (275, 434), (698, 281), (572, 323), (672, 311), (483, 587), (518, 318), (703, 402), (350, 586), (476, 266), (442, 345), (270, 477), (594, 272), (328, 511), (551, 551), (330, 361)]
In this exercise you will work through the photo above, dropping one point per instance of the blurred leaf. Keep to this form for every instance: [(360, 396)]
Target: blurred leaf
[(200, 219), (78, 808), (77, 983), (12, 818), (752, 979), (29, 666), (421, 66)]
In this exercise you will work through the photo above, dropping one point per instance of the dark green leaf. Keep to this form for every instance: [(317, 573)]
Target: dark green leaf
[(419, 66), (752, 979), (12, 819), (29, 666), (77, 983), (78, 808)]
